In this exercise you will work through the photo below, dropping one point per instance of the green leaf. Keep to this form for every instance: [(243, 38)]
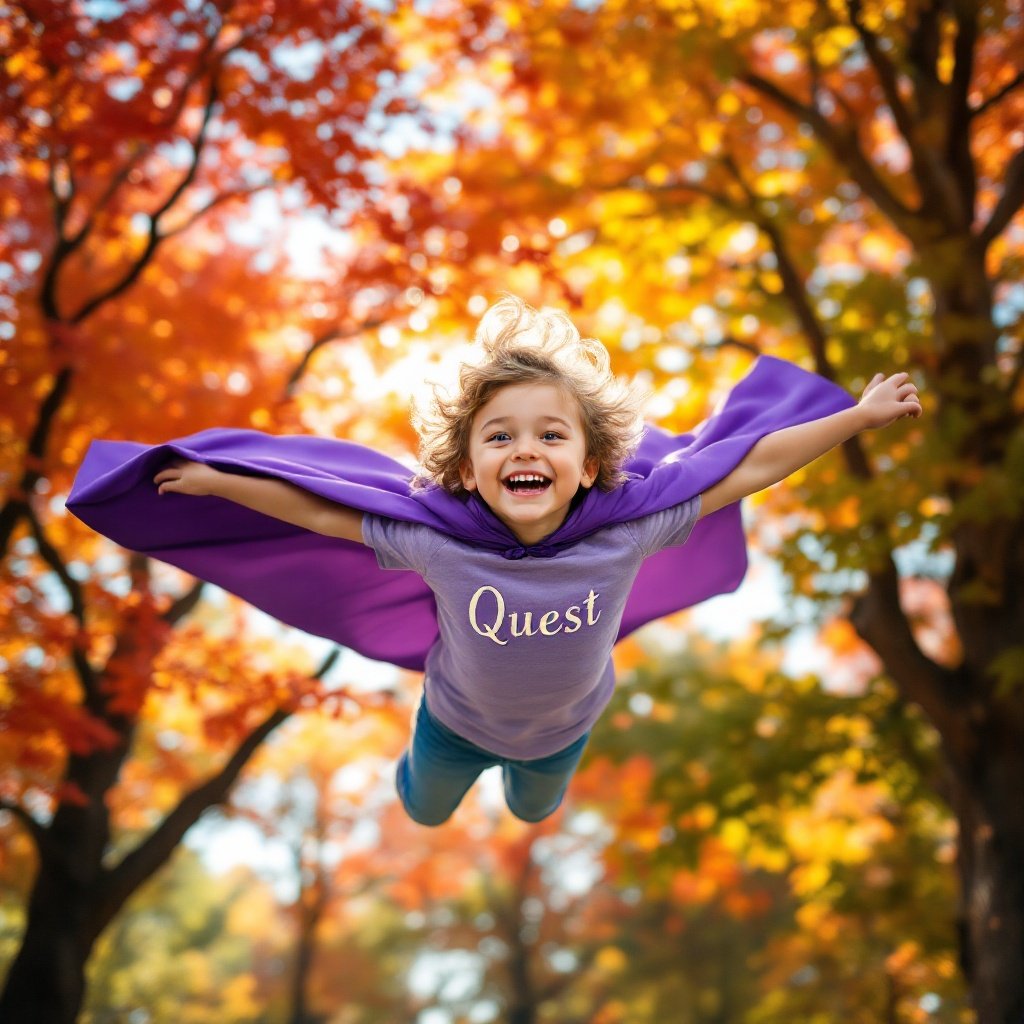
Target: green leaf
[(1008, 670)]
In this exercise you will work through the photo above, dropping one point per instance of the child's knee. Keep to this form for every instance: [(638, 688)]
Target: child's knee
[(532, 819), (532, 815), (431, 818)]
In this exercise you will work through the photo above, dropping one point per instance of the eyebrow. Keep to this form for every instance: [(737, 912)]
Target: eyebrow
[(547, 419)]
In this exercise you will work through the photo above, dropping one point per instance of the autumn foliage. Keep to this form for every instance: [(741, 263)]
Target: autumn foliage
[(287, 216)]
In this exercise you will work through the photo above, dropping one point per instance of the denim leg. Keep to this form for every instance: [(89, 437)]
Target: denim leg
[(534, 789), (438, 768)]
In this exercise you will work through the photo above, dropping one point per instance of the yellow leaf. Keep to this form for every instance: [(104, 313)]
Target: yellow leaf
[(809, 878), (610, 959), (238, 997), (771, 859), (735, 835), (829, 46), (657, 174), (709, 137), (934, 506), (728, 104)]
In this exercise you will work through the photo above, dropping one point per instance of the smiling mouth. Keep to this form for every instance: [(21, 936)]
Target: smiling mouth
[(526, 484)]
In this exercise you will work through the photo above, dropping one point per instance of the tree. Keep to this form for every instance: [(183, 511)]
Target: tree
[(128, 137), (837, 182), (790, 851), (184, 949), (309, 792)]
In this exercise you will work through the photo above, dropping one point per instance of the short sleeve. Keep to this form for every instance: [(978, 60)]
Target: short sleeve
[(401, 545), (666, 529)]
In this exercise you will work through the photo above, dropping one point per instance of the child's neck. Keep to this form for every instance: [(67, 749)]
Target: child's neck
[(529, 537), (529, 534)]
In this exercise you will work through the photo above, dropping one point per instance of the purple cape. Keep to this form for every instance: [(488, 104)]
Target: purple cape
[(333, 588)]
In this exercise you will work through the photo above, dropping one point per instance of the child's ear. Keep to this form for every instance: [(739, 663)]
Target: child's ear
[(590, 470), (466, 475)]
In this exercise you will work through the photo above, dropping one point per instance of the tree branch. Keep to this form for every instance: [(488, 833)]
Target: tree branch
[(985, 105), (924, 47), (120, 881), (16, 505), (959, 157), (844, 146), (884, 70), (197, 152), (945, 187), (53, 559), (793, 281), (878, 615), (185, 603), (17, 500), (729, 342), (116, 181), (84, 670), (155, 236), (1009, 203), (217, 200), (879, 620), (66, 246), (323, 339), (60, 203), (34, 829)]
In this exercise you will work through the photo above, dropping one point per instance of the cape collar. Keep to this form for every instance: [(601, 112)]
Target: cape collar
[(470, 518)]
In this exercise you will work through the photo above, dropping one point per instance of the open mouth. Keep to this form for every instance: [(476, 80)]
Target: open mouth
[(526, 483)]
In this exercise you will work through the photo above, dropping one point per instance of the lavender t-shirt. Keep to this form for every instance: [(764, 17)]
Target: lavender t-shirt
[(522, 666)]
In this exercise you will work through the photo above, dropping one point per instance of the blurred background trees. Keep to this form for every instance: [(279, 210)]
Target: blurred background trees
[(287, 217)]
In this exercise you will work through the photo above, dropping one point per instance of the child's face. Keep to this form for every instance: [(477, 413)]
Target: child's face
[(528, 429)]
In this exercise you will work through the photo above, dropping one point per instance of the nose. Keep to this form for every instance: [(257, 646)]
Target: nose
[(525, 448)]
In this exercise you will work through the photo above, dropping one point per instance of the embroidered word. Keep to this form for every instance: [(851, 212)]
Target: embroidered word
[(521, 623)]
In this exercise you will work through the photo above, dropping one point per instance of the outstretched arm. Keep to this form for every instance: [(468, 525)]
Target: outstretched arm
[(778, 454), (272, 497)]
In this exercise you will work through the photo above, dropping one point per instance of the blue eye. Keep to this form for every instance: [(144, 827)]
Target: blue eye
[(499, 436), (551, 434)]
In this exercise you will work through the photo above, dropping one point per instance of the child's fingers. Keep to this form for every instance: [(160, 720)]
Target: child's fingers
[(167, 476), (877, 379), (911, 400)]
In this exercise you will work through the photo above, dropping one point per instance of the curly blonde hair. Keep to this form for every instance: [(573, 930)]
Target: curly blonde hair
[(523, 345)]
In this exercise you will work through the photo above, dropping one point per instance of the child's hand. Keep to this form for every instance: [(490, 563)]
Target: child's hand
[(887, 399), (185, 477)]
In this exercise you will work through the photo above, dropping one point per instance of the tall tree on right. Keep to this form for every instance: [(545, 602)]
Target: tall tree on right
[(869, 156)]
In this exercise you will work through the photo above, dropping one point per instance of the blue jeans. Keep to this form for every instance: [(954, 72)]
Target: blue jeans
[(439, 767)]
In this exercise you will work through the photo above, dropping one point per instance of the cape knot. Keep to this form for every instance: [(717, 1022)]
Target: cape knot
[(542, 551), (536, 550)]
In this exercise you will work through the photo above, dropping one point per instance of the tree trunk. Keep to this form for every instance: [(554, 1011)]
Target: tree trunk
[(75, 896), (46, 982), (990, 854), (310, 910), (522, 1013), (988, 771)]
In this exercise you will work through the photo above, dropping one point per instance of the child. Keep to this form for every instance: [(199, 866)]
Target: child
[(521, 667)]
